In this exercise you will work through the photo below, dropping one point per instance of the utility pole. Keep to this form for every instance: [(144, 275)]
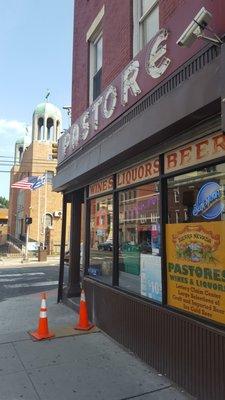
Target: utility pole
[(26, 246), (28, 221)]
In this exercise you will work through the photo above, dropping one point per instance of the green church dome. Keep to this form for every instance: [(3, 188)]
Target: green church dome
[(47, 109), (20, 140)]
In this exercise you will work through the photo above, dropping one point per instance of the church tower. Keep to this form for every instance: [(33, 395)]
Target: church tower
[(37, 156), (47, 123)]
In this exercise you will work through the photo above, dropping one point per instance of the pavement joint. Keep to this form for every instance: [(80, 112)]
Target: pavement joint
[(26, 372)]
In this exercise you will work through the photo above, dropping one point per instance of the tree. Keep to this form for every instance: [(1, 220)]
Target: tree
[(4, 203)]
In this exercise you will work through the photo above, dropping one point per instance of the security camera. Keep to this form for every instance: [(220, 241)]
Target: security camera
[(195, 28)]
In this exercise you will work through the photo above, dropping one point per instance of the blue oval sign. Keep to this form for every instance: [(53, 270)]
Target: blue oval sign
[(209, 203)]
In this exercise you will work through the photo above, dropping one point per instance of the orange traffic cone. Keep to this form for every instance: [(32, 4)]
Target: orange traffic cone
[(83, 324), (42, 331)]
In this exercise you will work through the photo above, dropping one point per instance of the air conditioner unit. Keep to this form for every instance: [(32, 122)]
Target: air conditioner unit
[(57, 214)]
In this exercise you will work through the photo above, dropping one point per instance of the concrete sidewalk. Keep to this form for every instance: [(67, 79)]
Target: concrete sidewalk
[(81, 367), (19, 262), (78, 368)]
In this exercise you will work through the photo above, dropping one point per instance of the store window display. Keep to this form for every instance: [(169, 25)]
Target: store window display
[(101, 238), (139, 241)]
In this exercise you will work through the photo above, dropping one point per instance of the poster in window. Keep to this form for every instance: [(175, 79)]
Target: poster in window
[(196, 268), (151, 283)]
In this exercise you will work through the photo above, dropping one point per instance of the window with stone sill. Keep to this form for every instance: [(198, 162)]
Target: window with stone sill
[(145, 22), (95, 67)]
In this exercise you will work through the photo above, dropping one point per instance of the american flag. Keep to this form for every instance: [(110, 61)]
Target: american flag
[(25, 183), (40, 181), (30, 182)]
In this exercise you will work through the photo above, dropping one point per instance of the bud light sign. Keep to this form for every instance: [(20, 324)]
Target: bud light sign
[(209, 203)]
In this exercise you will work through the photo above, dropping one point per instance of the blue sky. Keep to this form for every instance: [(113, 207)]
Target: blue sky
[(35, 55)]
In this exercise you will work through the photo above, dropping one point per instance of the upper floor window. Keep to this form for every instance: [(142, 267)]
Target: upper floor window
[(96, 67), (48, 220), (95, 39), (146, 22), (50, 176)]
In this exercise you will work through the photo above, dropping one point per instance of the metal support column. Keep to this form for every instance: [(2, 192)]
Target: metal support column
[(75, 236), (62, 250), (87, 231), (222, 85)]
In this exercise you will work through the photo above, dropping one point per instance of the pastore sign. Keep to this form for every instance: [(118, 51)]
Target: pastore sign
[(141, 74), (196, 268)]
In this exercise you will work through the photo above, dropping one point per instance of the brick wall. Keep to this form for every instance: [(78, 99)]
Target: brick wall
[(117, 45), (36, 162), (167, 9), (117, 26), (85, 13), (117, 42)]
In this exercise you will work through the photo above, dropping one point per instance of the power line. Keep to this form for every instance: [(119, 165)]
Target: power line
[(24, 172), (7, 163), (11, 159)]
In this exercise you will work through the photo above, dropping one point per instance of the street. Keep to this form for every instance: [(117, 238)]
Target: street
[(20, 288), (27, 279)]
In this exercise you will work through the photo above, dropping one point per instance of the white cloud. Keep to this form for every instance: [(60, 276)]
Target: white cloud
[(10, 131)]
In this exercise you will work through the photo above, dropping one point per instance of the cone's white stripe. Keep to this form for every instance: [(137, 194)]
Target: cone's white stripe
[(43, 303), (82, 297), (43, 314)]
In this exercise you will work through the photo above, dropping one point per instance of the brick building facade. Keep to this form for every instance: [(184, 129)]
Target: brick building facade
[(145, 158)]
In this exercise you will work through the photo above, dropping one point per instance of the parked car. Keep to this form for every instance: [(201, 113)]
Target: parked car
[(144, 247), (129, 247), (105, 246)]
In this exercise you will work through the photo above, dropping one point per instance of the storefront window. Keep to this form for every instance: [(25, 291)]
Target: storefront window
[(195, 243), (139, 241), (101, 239), (187, 187)]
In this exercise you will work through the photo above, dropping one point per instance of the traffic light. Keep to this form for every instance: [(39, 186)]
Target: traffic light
[(54, 151)]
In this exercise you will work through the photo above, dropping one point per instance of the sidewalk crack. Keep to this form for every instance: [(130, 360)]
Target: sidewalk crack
[(143, 394)]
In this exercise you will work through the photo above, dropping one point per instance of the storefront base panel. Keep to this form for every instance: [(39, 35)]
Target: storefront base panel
[(190, 353)]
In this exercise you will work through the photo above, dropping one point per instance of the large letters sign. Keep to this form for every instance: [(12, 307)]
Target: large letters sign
[(143, 73), (205, 149), (102, 186), (138, 173)]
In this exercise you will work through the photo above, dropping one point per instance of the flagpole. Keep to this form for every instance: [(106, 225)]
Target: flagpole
[(27, 238), (39, 194), (45, 208)]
